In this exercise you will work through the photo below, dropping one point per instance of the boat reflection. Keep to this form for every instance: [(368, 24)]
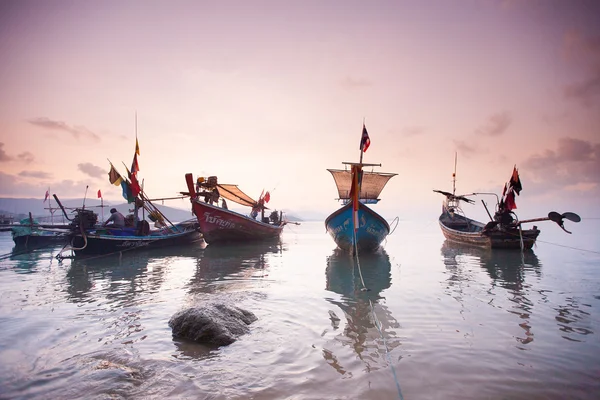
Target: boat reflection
[(28, 261), (233, 268), (507, 268), (360, 331), (126, 275)]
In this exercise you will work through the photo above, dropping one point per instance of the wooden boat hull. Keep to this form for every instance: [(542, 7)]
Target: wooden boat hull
[(99, 242), (460, 229), (37, 240), (372, 229), (219, 225)]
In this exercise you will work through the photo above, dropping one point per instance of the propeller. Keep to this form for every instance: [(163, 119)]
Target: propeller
[(558, 218), (572, 216)]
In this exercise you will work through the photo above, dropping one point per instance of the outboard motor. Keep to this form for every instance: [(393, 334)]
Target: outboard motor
[(84, 219)]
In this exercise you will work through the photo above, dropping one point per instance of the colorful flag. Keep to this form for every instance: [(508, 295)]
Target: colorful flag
[(515, 181), (267, 197), (137, 147), (365, 142), (127, 194), (114, 177), (46, 197), (134, 165), (99, 194), (134, 185)]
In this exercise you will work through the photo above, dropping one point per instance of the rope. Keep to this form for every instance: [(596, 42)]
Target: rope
[(374, 316), (559, 245), (397, 219)]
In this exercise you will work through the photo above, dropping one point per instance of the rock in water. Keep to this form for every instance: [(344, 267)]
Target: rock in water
[(217, 324)]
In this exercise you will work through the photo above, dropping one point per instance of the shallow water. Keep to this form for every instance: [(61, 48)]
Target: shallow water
[(438, 321)]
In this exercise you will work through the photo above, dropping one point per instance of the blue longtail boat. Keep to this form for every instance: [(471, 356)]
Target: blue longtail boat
[(355, 227)]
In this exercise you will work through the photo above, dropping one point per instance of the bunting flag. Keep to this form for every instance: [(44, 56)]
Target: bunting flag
[(99, 194), (114, 177), (365, 142), (134, 165), (137, 147), (267, 197), (47, 194), (515, 181)]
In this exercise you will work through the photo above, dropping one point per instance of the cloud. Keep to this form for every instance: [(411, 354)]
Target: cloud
[(76, 131), (465, 149), (3, 156), (574, 164), (495, 125), (583, 52), (585, 91), (353, 83), (413, 131), (92, 170), (26, 157), (13, 186), (35, 174)]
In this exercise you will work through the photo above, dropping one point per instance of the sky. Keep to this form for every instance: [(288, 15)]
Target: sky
[(270, 94)]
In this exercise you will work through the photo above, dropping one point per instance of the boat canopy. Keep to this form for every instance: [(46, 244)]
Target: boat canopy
[(233, 193), (370, 188)]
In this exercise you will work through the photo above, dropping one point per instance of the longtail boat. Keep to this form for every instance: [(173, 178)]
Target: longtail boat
[(504, 230), (219, 224), (87, 237), (355, 227)]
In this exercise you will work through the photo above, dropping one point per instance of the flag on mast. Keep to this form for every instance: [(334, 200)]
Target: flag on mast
[(365, 142), (114, 177), (47, 194), (99, 194)]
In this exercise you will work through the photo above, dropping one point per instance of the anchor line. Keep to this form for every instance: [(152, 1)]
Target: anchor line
[(374, 317)]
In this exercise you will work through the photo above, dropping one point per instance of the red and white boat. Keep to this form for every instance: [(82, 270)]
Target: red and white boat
[(221, 225)]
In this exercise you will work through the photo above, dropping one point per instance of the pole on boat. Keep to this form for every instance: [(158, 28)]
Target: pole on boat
[(486, 210), (61, 207), (85, 196)]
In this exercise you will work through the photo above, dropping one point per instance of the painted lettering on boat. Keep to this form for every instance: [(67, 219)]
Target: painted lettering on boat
[(217, 220), (375, 232), (134, 243)]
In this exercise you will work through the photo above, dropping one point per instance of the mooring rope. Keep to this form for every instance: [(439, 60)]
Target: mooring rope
[(375, 319)]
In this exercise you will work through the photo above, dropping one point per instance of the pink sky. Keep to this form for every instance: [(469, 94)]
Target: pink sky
[(269, 94)]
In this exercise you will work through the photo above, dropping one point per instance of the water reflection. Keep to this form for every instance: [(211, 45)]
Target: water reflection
[(360, 332), (233, 268), (27, 261), (124, 276), (507, 269)]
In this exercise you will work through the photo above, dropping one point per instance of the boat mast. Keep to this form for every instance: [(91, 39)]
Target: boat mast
[(454, 177)]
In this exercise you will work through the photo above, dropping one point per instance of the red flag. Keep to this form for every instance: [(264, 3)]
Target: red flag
[(365, 142), (135, 185), (267, 197), (99, 194), (510, 201), (46, 197)]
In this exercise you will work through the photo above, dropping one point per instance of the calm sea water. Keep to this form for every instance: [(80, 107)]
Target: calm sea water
[(439, 321)]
